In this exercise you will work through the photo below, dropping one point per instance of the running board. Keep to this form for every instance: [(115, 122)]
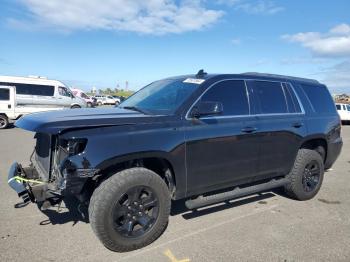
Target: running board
[(235, 193)]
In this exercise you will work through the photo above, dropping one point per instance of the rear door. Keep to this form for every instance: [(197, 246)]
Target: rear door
[(7, 101), (281, 126)]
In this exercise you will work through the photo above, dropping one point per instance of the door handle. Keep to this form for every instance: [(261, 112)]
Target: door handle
[(297, 125), (249, 129), (9, 106)]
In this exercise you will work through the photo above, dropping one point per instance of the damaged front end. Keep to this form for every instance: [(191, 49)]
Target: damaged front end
[(28, 186), (51, 175)]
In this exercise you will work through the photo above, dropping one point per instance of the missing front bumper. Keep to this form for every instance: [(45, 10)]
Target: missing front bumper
[(26, 184)]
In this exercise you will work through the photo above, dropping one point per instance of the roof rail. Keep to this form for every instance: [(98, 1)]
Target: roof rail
[(282, 76), (39, 77)]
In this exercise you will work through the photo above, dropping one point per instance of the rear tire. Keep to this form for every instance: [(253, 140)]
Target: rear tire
[(130, 209), (306, 176), (4, 122)]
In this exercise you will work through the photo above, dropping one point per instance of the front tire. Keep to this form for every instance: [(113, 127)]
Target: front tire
[(75, 107), (130, 209), (306, 176), (4, 122)]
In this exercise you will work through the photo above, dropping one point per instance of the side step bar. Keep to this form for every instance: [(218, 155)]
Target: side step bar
[(235, 193)]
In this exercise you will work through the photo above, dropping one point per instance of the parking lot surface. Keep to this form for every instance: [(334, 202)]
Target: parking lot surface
[(267, 227)]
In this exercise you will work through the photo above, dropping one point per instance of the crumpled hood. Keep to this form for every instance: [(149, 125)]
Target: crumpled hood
[(55, 122)]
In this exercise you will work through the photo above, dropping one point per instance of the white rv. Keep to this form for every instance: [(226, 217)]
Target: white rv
[(24, 95)]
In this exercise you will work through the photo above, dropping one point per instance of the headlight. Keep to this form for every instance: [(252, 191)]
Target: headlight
[(76, 146)]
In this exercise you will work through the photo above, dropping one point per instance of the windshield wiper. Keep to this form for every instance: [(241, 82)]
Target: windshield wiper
[(135, 108)]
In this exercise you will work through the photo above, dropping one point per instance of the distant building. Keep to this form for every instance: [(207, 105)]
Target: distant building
[(343, 98)]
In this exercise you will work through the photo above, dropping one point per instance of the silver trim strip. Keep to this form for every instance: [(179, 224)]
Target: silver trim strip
[(249, 115)]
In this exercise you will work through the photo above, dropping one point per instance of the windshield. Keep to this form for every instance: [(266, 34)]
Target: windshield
[(161, 97)]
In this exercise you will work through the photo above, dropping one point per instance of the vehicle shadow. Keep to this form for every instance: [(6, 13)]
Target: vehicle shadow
[(70, 211), (11, 126), (178, 207)]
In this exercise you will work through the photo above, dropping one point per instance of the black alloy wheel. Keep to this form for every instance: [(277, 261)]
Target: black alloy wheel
[(311, 176), (130, 209), (136, 211), (306, 175)]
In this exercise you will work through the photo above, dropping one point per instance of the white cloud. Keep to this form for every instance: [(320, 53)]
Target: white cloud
[(146, 17), (266, 7), (236, 41), (335, 43), (337, 77), (341, 29)]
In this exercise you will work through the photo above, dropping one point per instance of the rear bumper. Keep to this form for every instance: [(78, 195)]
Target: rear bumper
[(334, 150)]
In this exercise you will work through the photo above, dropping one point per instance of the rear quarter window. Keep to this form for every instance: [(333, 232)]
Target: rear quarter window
[(320, 98)]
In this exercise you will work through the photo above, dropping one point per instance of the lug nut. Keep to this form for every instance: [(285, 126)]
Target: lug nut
[(134, 217), (140, 213), (129, 207), (135, 203), (129, 215)]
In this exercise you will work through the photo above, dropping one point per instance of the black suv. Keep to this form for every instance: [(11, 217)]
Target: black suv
[(204, 138)]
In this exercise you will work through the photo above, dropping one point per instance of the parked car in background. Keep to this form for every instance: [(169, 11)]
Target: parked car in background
[(117, 99), (25, 95), (344, 112), (203, 138), (105, 100), (90, 101)]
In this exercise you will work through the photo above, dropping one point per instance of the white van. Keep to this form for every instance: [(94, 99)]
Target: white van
[(25, 95), (343, 111)]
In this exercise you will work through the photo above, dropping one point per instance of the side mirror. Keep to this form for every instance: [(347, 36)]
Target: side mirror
[(207, 108)]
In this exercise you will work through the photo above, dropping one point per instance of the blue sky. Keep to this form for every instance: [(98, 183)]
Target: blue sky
[(104, 43)]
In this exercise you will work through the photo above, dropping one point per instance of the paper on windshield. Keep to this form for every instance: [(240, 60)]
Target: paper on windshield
[(194, 81)]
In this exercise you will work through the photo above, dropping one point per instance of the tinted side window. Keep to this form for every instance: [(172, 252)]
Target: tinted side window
[(233, 96), (319, 98), (338, 107), (4, 94), (28, 89), (269, 97)]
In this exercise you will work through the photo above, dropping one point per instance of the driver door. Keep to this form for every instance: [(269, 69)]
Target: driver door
[(222, 150), (64, 97)]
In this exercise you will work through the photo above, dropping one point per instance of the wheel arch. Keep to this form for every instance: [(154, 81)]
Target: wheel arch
[(316, 143), (157, 162), (75, 105)]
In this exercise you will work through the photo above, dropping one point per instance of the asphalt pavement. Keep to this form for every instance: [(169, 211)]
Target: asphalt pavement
[(268, 227)]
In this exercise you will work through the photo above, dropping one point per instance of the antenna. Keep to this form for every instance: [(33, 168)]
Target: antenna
[(201, 73)]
